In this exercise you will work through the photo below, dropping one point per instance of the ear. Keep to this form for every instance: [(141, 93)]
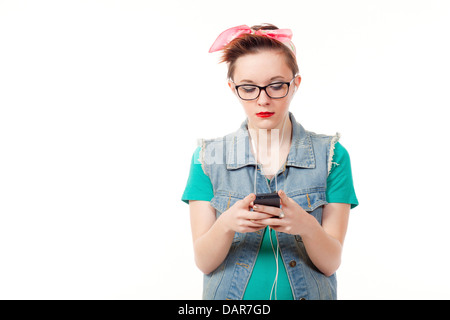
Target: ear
[(231, 85), (297, 82)]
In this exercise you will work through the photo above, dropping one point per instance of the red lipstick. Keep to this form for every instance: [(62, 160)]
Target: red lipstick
[(265, 114)]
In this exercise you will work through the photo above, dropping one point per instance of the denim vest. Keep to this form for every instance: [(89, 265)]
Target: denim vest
[(230, 166)]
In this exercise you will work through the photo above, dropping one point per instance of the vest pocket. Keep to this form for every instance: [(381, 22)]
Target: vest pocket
[(309, 199), (222, 201)]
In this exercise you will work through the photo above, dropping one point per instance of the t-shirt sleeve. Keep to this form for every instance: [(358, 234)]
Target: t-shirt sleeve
[(340, 187), (198, 186)]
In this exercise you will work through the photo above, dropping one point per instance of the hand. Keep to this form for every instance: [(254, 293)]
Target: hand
[(239, 218), (295, 220)]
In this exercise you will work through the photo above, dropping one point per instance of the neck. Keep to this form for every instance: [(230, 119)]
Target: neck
[(278, 136), (271, 146)]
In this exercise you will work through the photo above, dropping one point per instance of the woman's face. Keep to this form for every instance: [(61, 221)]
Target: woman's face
[(262, 69)]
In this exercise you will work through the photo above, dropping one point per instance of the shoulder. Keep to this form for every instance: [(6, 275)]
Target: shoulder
[(340, 159), (196, 155), (325, 142), (324, 137), (216, 149), (340, 153)]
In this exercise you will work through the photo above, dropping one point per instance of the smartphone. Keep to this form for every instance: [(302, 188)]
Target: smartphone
[(268, 199)]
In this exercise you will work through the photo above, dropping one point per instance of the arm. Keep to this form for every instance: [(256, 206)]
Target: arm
[(213, 237), (322, 242)]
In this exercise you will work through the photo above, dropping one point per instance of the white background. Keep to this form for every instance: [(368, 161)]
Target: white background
[(102, 103)]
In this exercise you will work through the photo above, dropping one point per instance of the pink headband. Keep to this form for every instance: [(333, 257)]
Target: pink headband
[(282, 35)]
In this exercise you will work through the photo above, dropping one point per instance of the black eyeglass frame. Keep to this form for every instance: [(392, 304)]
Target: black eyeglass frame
[(263, 88)]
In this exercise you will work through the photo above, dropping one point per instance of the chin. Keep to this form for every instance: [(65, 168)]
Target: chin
[(266, 124)]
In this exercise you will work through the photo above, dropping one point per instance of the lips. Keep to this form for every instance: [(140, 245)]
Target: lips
[(265, 114)]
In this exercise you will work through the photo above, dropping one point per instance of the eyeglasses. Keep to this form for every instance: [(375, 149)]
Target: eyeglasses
[(276, 90)]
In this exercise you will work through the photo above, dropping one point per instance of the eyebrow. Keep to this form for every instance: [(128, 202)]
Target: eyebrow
[(271, 79)]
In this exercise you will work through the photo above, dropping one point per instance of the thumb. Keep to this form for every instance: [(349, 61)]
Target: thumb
[(248, 200), (284, 198)]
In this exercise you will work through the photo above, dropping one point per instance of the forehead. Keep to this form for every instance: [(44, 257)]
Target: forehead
[(261, 67)]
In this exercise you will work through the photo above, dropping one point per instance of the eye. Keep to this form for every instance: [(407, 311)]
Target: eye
[(277, 86), (247, 89)]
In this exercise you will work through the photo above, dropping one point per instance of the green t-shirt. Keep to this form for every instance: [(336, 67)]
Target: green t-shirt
[(339, 190)]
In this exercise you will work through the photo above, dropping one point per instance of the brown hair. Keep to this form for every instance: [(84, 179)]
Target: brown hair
[(252, 43)]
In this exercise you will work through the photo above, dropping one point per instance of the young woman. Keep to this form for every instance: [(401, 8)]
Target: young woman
[(253, 251)]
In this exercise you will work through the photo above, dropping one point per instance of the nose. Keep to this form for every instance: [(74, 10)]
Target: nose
[(263, 98)]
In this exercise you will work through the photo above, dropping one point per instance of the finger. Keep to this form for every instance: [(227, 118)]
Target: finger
[(274, 211), (255, 215), (272, 222), (284, 198), (255, 225), (247, 201)]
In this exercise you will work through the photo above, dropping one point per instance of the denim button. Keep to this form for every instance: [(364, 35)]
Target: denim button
[(292, 263), (302, 298)]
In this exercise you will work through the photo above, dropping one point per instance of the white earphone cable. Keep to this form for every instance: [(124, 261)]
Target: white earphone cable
[(275, 282), (255, 152)]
